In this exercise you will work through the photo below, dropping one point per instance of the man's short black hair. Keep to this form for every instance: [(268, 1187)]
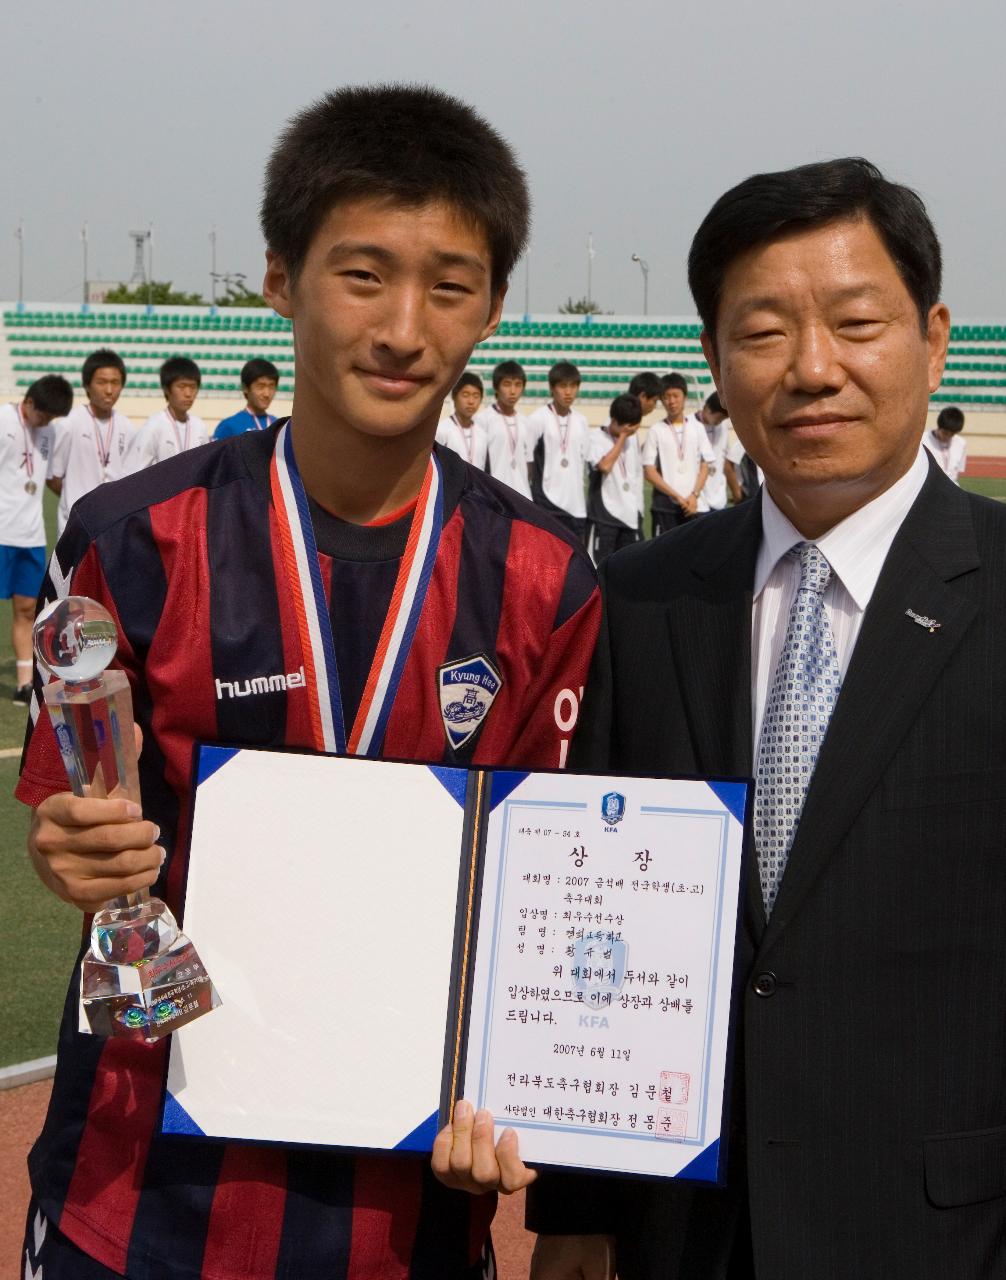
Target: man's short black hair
[(645, 384), (468, 379), (714, 404), (176, 368), (563, 371), (769, 205), (508, 369), (674, 380), (259, 368), (51, 395), (951, 419), (410, 144), (626, 410), (103, 358)]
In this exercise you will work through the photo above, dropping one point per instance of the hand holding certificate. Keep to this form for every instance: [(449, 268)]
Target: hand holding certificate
[(558, 949)]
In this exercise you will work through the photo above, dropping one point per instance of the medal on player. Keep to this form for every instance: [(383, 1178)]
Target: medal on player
[(300, 556), (563, 435), (30, 487), (141, 977)]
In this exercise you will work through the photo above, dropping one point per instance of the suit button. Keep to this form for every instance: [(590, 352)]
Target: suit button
[(765, 984)]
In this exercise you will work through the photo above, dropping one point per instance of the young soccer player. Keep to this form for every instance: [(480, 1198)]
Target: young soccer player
[(676, 459), (392, 261), (507, 433), (560, 443), (615, 491), (174, 428), (461, 431), (90, 443), (946, 443), (259, 380), (25, 457), (712, 419), (646, 387)]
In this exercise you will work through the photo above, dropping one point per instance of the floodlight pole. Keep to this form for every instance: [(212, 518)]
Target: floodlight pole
[(19, 235), (590, 264), (213, 266), (83, 237), (644, 267), (150, 262)]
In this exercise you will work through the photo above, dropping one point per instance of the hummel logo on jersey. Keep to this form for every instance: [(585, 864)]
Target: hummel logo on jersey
[(260, 684)]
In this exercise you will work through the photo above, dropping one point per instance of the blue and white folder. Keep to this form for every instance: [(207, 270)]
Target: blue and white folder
[(387, 938)]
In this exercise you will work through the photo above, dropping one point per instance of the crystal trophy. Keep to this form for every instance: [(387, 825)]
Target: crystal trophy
[(141, 977)]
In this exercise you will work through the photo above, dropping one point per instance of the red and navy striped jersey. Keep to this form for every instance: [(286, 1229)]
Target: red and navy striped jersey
[(187, 559)]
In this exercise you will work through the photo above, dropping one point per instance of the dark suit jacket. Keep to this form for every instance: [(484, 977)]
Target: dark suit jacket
[(870, 1116)]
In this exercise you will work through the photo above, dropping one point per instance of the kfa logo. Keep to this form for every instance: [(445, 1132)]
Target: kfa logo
[(467, 689), (612, 808)]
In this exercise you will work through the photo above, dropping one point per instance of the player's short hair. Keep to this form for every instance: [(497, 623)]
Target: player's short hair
[(468, 379), (626, 410), (175, 368), (563, 371), (508, 369), (714, 404), (258, 368), (411, 144), (51, 395), (951, 419), (103, 358), (646, 383), (674, 380), (769, 205)]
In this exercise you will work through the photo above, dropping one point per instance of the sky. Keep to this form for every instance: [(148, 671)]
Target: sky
[(630, 118)]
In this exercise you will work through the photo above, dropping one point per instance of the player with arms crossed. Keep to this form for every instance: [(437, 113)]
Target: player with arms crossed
[(392, 261)]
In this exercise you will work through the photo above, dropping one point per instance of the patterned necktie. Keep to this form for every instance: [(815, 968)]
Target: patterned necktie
[(802, 698)]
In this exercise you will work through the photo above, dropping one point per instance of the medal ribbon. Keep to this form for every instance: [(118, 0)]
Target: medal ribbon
[(174, 428), (563, 428), (467, 437), (511, 433), (300, 555), (29, 448), (102, 444)]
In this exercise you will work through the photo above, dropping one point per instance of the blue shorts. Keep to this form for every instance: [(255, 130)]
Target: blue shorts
[(21, 571)]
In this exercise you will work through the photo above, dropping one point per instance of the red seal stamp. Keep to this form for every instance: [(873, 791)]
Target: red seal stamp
[(674, 1086), (671, 1122)]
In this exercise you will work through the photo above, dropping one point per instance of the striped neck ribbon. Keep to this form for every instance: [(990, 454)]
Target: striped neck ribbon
[(303, 568)]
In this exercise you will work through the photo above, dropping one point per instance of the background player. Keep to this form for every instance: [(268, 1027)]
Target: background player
[(646, 387), (90, 443), (676, 459), (174, 428), (508, 452), (615, 488), (25, 457), (712, 418), (259, 380), (946, 444), (400, 269), (560, 443), (460, 431)]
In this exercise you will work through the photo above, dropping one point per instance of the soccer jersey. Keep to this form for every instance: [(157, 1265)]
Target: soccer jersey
[(508, 447), (188, 559), (163, 436), (87, 451), (560, 449), (952, 456), (467, 442), (616, 496), (238, 423), (677, 452), (25, 455)]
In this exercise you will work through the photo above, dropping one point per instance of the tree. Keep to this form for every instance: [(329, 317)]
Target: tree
[(239, 295), (159, 293), (582, 307)]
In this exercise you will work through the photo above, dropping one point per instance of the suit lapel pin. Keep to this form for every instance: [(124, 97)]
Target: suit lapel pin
[(930, 624)]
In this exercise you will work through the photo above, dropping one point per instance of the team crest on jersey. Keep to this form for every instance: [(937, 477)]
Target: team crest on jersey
[(468, 688), (612, 808)]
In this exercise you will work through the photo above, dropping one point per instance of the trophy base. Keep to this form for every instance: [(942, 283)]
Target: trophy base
[(147, 1000)]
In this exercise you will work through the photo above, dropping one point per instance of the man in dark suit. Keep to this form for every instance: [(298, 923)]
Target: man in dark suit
[(841, 639)]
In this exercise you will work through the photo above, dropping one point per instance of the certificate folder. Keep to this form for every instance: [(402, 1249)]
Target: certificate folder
[(389, 937)]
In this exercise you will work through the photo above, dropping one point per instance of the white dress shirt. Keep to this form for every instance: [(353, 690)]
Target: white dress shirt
[(856, 549)]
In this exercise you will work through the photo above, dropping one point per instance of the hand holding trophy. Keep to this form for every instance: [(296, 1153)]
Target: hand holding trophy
[(142, 977)]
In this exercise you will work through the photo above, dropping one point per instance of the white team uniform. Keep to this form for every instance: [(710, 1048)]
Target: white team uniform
[(678, 452), (621, 489), (160, 437), (508, 447), (25, 455), (87, 452), (565, 449), (467, 442), (952, 457)]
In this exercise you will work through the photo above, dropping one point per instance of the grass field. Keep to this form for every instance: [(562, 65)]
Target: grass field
[(39, 935)]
